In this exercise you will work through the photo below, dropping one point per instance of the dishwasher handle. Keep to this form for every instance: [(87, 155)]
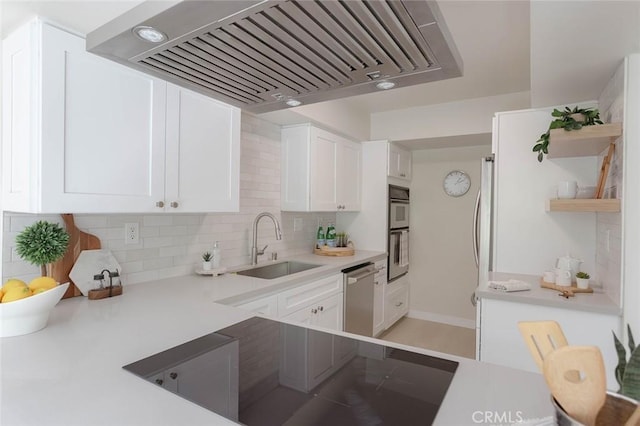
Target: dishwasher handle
[(354, 279)]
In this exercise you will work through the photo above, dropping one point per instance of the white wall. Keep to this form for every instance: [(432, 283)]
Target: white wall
[(529, 239), (466, 117), (171, 244), (609, 225), (443, 273), (339, 116)]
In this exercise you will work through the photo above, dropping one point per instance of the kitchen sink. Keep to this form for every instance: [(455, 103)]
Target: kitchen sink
[(277, 270)]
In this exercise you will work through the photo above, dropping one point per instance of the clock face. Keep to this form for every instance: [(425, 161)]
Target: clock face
[(456, 183)]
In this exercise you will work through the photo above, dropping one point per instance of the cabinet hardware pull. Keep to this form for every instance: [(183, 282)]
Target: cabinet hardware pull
[(173, 375), (159, 381), (160, 204), (314, 311), (399, 304), (174, 204), (321, 308)]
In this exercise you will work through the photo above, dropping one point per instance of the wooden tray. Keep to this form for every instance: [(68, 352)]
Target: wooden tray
[(334, 251), (102, 293), (565, 291), (78, 241)]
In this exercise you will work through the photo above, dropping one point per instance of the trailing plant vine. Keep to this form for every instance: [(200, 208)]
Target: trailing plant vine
[(566, 120)]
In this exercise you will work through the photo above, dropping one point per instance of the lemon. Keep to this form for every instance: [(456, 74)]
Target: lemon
[(45, 283), (40, 290), (13, 283), (16, 294)]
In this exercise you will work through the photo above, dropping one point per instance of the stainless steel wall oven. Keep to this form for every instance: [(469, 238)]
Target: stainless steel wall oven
[(398, 232)]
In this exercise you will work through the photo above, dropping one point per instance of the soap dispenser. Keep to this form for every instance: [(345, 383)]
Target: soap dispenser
[(216, 255)]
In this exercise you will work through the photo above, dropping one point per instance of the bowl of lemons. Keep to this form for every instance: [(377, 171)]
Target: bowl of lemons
[(25, 308)]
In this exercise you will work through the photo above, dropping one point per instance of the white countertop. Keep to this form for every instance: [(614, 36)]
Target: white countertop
[(70, 373), (590, 302)]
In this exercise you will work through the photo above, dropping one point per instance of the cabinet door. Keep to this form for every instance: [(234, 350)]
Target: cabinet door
[(348, 176), (378, 298), (202, 153), (399, 163), (19, 171), (330, 312), (322, 185), (321, 357), (102, 131), (210, 380), (404, 164)]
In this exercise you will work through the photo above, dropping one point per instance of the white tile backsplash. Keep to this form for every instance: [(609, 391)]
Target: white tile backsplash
[(171, 244)]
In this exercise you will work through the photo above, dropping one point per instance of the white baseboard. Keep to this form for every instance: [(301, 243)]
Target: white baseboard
[(445, 319)]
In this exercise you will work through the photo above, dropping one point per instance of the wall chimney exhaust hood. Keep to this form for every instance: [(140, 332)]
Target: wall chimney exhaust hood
[(267, 55)]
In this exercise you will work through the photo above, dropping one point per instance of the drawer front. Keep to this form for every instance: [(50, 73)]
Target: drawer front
[(292, 300), (396, 306), (267, 306)]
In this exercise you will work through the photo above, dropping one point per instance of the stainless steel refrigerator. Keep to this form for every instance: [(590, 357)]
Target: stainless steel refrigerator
[(482, 233)]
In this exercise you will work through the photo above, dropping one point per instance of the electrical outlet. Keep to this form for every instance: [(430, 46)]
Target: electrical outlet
[(131, 233), (297, 224)]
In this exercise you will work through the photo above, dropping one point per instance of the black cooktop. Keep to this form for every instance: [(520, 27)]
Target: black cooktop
[(263, 372)]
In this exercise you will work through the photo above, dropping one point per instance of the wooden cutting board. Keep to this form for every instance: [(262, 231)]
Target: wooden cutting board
[(78, 241)]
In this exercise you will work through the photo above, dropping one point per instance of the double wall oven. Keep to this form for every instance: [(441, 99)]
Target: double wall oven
[(398, 232)]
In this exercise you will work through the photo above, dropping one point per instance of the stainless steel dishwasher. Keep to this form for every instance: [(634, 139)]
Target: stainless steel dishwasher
[(358, 299)]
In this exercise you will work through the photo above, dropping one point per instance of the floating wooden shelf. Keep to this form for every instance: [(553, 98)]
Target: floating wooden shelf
[(584, 205), (588, 141)]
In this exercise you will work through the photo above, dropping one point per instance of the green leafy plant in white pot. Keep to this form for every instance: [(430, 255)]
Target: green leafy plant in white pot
[(567, 119), (42, 244), (206, 260), (582, 280)]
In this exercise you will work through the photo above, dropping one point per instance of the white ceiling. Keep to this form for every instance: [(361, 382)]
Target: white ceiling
[(574, 46)]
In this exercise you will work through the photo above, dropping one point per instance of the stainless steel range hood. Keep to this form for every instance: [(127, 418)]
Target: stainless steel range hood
[(259, 54)]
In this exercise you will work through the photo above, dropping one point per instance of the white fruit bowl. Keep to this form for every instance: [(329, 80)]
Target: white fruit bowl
[(30, 314)]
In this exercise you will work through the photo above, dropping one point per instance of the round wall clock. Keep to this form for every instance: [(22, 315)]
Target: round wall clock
[(456, 183)]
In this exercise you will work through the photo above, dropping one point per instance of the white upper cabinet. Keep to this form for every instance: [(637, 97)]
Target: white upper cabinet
[(202, 153), (399, 163), (320, 171), (86, 135)]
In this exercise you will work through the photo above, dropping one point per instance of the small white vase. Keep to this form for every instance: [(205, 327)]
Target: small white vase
[(583, 283), (206, 266)]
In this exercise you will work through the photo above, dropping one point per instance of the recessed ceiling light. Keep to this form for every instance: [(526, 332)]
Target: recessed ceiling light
[(149, 34), (293, 102), (386, 85)]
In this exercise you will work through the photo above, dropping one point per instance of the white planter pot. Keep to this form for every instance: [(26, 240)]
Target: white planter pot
[(206, 266), (582, 282)]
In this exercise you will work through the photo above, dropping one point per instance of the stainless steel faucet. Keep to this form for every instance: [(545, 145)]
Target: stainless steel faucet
[(255, 252)]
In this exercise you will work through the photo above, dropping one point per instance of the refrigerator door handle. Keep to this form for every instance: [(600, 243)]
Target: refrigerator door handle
[(476, 217)]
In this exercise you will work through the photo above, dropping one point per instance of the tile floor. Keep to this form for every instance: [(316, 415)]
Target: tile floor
[(435, 336)]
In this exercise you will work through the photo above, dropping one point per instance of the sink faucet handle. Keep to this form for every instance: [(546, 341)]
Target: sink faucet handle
[(263, 249)]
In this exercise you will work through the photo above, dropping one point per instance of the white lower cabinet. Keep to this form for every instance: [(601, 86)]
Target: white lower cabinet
[(311, 356), (210, 380), (396, 303), (317, 303), (380, 282), (501, 342)]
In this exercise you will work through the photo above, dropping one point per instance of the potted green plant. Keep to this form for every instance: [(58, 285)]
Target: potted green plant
[(628, 371), (582, 279), (206, 260), (42, 244), (569, 119)]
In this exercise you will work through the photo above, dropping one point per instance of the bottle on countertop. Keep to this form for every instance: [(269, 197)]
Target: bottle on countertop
[(331, 235), (320, 236), (216, 255)]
